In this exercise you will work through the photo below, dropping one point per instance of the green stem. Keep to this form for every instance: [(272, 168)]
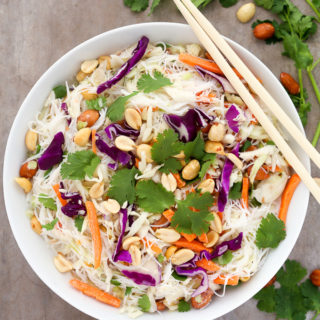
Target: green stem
[(313, 7), (315, 316), (315, 64), (314, 84), (301, 84), (316, 136)]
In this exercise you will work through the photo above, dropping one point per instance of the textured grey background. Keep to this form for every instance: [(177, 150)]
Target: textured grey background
[(33, 35)]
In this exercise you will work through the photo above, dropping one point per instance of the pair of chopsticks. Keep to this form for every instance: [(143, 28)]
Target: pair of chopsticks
[(213, 42)]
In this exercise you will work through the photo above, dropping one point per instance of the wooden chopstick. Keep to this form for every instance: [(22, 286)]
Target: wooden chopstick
[(254, 83), (246, 96)]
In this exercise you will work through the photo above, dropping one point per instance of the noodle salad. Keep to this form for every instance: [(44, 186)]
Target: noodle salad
[(152, 181)]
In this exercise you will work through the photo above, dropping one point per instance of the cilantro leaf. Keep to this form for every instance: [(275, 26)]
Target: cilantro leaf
[(116, 110), (209, 160), (128, 291), (193, 214), (160, 258), (49, 226), (148, 83), (122, 185), (97, 104), (137, 5), (302, 105), (312, 294), (115, 282), (166, 146), (246, 146), (228, 3), (195, 148), (201, 3), (271, 232), (78, 222), (178, 276), (266, 298), (47, 202), (183, 306), (60, 91), (154, 4), (153, 197), (79, 164), (235, 191), (144, 303), (171, 165), (292, 274), (224, 259)]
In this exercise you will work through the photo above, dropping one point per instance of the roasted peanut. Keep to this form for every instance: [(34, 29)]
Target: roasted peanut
[(216, 224), (24, 183), (96, 190), (213, 238), (246, 12), (206, 186), (146, 149), (81, 138), (244, 279), (135, 255), (62, 264), (89, 116), (133, 118), (111, 205), (89, 95), (89, 65), (264, 31), (182, 256), (289, 83), (214, 147), (160, 305), (124, 143), (98, 76), (170, 251), (202, 300), (167, 234), (236, 161), (105, 58), (180, 155), (217, 132), (315, 277), (191, 170), (28, 169), (80, 76), (130, 241), (31, 140), (35, 224), (169, 182)]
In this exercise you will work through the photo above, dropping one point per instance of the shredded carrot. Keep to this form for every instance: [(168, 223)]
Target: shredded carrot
[(252, 148), (96, 293), (232, 281), (56, 188), (93, 138), (188, 236), (194, 245), (152, 246), (136, 163), (208, 56), (207, 265), (220, 214), (180, 182), (95, 232), (287, 194), (203, 238), (245, 193), (263, 172), (168, 214), (192, 190), (203, 63)]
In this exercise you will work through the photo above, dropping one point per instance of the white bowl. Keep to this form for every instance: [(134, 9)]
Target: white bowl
[(36, 251)]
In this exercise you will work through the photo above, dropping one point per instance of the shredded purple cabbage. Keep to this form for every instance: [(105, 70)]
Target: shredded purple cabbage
[(225, 180), (225, 84), (123, 223), (114, 130), (188, 125), (231, 115), (53, 154), (140, 278), (64, 107), (137, 55), (124, 256)]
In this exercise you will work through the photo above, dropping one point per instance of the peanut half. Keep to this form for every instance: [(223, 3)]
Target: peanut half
[(62, 264), (124, 143), (31, 140), (181, 256), (169, 182), (191, 170), (133, 118), (167, 234)]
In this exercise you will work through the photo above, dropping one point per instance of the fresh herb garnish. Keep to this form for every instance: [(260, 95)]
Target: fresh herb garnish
[(235, 191), (115, 282), (144, 303), (178, 276), (148, 83), (208, 161), (128, 291), (160, 257), (183, 306), (78, 222), (195, 148), (60, 91), (49, 226), (224, 259), (47, 202), (97, 104)]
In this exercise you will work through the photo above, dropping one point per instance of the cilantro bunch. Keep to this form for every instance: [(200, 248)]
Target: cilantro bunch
[(290, 299)]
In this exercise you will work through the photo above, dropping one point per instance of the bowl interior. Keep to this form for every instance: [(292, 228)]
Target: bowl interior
[(36, 251)]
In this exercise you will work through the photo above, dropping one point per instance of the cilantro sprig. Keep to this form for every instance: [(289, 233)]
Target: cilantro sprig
[(97, 104), (47, 202), (50, 225), (144, 303), (149, 83)]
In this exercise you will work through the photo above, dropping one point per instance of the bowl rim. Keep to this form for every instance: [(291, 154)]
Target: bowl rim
[(34, 89)]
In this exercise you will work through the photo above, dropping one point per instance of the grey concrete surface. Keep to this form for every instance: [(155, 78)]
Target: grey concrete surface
[(33, 35)]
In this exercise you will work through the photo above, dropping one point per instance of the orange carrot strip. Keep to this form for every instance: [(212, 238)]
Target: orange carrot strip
[(95, 232), (136, 164), (93, 138), (287, 196), (56, 188), (232, 281), (207, 265), (220, 214), (152, 246), (203, 63), (95, 293), (203, 238), (180, 182), (245, 193), (194, 245), (168, 214), (189, 237)]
